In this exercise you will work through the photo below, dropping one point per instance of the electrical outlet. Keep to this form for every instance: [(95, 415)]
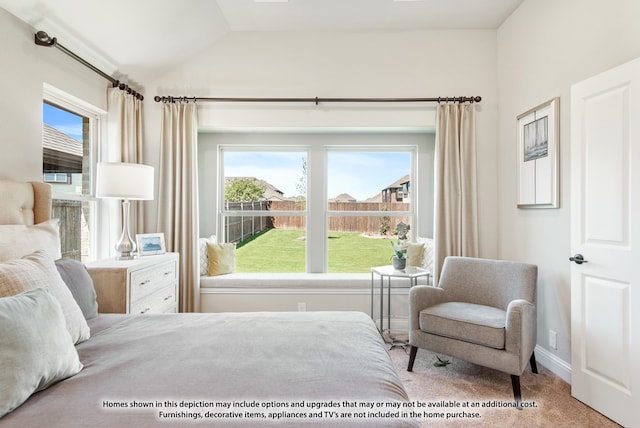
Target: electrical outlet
[(553, 339), (302, 307)]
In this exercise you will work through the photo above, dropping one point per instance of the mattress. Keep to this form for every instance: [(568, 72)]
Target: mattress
[(225, 369)]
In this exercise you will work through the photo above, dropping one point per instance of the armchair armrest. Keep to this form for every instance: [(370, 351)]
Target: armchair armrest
[(520, 329), (421, 297)]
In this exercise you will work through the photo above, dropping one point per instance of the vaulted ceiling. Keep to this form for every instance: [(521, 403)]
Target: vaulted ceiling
[(143, 36)]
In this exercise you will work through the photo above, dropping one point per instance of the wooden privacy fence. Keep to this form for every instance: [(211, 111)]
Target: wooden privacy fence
[(70, 215), (239, 228)]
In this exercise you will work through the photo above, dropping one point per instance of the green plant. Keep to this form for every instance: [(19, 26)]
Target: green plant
[(441, 362), (244, 190), (385, 222)]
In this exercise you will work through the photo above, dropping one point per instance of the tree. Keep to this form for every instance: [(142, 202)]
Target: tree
[(301, 186), (244, 190)]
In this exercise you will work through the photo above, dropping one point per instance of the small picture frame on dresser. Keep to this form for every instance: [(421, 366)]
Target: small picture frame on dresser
[(150, 244)]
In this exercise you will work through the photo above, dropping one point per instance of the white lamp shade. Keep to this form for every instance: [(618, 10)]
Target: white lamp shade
[(122, 180)]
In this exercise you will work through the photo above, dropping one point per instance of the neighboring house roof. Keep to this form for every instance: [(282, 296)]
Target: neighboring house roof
[(376, 198), (61, 153), (398, 183), (343, 197), (271, 193)]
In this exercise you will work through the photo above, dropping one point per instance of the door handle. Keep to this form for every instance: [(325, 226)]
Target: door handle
[(578, 259)]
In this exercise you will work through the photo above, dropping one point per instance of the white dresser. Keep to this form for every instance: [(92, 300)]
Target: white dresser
[(145, 285)]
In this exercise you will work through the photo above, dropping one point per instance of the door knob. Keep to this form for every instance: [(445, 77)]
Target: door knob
[(578, 259)]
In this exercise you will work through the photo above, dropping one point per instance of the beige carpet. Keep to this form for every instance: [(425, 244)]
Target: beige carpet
[(463, 383)]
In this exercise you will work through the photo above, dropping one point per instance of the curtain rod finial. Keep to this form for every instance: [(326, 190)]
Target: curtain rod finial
[(43, 39)]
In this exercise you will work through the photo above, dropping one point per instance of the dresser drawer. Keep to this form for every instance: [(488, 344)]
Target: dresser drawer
[(143, 285), (149, 280), (163, 300)]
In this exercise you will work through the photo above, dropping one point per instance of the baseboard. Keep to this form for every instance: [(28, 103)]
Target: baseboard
[(556, 365)]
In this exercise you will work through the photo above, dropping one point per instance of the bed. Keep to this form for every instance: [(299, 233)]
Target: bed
[(224, 369)]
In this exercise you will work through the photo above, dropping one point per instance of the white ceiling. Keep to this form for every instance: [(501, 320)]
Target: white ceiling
[(144, 36)]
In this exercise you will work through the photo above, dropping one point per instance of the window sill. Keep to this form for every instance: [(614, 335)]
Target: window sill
[(287, 280)]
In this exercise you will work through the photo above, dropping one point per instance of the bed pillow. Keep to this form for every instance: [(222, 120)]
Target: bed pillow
[(35, 348), (38, 270), (79, 282), (17, 240), (204, 253), (222, 258)]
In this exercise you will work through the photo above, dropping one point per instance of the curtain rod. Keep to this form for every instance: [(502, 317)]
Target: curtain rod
[(43, 39), (317, 100)]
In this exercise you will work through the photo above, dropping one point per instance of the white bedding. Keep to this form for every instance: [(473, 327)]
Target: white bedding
[(258, 359)]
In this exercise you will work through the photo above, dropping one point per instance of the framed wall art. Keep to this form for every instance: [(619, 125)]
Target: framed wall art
[(150, 243), (538, 163)]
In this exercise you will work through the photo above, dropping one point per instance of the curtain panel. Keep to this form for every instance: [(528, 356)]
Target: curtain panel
[(456, 214), (178, 196), (124, 131)]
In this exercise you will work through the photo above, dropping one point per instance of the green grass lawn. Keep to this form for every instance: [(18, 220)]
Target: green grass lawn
[(278, 250)]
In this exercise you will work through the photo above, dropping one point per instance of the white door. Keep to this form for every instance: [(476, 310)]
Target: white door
[(605, 231)]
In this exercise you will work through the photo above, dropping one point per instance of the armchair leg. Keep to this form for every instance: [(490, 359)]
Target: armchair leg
[(515, 382), (532, 361), (412, 357)]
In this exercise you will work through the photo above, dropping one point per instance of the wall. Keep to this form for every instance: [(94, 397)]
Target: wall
[(338, 64), (342, 64), (25, 68), (544, 48)]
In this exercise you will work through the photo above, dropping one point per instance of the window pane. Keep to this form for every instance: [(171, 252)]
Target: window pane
[(266, 176), (66, 166), (367, 176), (369, 184), (270, 249)]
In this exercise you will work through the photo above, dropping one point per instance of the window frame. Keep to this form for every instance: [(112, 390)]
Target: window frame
[(316, 212), (61, 99)]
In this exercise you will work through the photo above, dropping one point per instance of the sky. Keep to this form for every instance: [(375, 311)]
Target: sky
[(65, 122), (360, 174)]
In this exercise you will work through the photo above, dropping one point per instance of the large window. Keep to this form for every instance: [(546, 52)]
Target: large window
[(69, 134), (316, 207)]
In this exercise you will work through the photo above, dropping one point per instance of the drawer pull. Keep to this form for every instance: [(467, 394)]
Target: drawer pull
[(146, 281), (169, 297), (145, 310), (169, 272)]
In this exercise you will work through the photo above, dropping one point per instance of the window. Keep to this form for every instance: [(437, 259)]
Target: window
[(69, 136), (368, 197), (264, 208), (317, 207)]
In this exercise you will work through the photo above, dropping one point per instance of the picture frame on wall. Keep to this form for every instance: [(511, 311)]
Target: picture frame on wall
[(538, 156), (150, 244)]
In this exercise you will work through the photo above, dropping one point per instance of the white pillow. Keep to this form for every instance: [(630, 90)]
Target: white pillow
[(38, 270), (17, 240), (427, 253), (204, 254), (35, 348)]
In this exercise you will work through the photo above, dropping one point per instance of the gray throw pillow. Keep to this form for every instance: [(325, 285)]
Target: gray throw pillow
[(36, 349), (75, 276)]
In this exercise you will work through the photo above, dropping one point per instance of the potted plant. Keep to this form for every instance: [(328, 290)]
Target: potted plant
[(399, 258)]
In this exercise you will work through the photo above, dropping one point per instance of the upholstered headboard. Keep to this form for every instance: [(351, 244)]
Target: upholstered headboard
[(25, 203)]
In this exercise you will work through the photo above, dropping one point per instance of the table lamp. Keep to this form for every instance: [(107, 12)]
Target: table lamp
[(126, 181)]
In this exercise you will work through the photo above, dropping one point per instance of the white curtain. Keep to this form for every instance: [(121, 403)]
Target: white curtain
[(178, 195), (456, 213), (124, 131)]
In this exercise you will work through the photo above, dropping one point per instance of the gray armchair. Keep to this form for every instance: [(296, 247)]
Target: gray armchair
[(482, 311)]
